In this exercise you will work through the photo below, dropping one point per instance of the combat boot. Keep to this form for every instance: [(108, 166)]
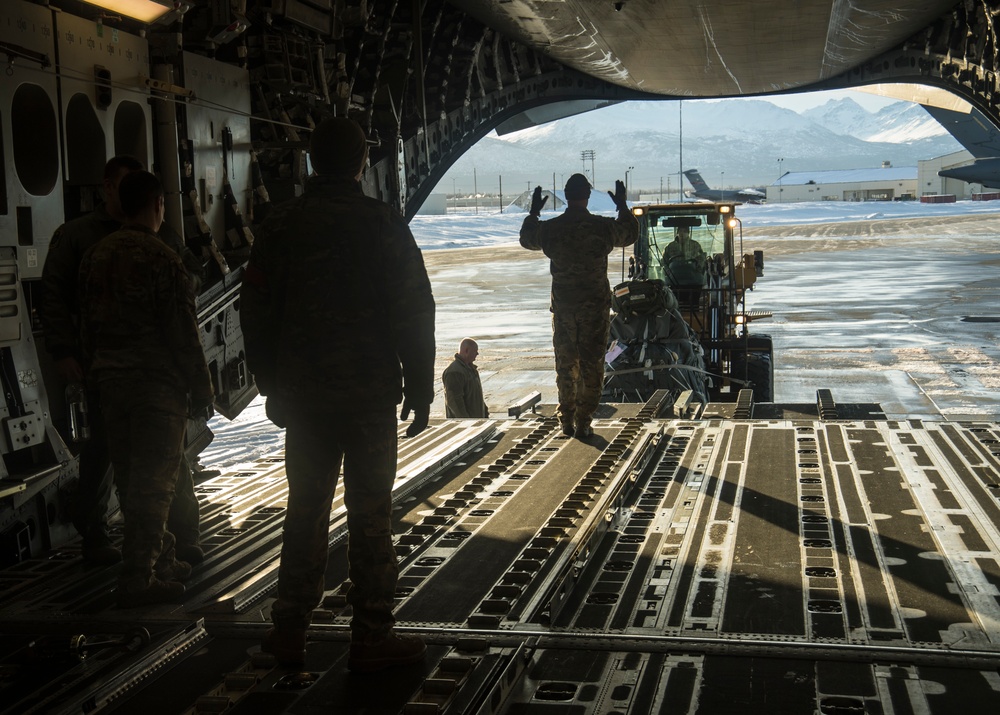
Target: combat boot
[(378, 652), (191, 553), (156, 592), (583, 428), (287, 645), (567, 424), (173, 570), (168, 567)]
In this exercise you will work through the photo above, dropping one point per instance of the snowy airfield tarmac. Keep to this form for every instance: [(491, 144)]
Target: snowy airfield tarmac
[(870, 300)]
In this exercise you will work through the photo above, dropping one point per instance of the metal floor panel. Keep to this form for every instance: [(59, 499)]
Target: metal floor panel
[(660, 566)]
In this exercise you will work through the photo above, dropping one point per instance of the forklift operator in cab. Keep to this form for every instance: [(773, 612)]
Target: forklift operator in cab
[(685, 265), (683, 246)]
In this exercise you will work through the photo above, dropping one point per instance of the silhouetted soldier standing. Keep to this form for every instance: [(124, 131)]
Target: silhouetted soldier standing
[(577, 244), (334, 348), (141, 337), (60, 313)]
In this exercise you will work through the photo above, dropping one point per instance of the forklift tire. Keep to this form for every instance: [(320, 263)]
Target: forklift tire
[(756, 365), (760, 373), (756, 368)]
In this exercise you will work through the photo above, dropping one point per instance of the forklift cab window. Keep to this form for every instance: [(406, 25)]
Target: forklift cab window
[(684, 246), (680, 247), (684, 261)]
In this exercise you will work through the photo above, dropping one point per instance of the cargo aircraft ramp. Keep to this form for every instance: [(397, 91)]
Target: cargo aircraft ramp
[(833, 562)]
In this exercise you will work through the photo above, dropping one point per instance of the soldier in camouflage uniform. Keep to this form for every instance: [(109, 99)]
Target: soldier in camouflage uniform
[(143, 345), (334, 347), (577, 244), (60, 314)]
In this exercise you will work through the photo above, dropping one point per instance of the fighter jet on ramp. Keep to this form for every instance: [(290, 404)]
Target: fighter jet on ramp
[(702, 191)]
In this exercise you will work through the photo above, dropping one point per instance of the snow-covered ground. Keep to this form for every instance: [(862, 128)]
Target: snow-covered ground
[(491, 228), (811, 212), (874, 319)]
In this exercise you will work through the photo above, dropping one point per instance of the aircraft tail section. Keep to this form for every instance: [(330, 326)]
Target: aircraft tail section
[(696, 181)]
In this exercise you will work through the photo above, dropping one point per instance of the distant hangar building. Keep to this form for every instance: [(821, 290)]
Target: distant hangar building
[(930, 183), (887, 183)]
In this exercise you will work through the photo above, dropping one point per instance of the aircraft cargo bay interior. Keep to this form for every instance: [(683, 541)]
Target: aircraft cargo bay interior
[(804, 519)]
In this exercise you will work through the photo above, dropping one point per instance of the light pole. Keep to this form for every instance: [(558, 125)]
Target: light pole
[(589, 154), (661, 189), (723, 180), (779, 179), (627, 172)]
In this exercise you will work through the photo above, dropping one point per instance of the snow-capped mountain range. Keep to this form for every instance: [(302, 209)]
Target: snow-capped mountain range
[(734, 143)]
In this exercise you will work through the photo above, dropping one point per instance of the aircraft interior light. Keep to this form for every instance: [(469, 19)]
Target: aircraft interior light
[(142, 10)]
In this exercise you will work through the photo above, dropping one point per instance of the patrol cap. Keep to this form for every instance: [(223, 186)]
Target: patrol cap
[(577, 187), (338, 147)]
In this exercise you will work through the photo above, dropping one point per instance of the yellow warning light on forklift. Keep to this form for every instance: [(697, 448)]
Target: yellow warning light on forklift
[(725, 209), (733, 223), (638, 211)]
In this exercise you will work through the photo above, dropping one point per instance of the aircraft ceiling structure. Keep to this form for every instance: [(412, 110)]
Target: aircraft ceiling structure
[(709, 48), (427, 79)]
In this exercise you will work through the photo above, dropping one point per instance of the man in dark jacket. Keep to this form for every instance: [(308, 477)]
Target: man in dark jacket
[(577, 244), (463, 390), (335, 348), (141, 340), (59, 310)]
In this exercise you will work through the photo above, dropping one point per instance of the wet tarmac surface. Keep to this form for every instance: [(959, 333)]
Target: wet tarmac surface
[(876, 311), (898, 312)]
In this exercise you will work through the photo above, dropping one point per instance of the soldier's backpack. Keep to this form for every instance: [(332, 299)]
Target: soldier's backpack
[(648, 297)]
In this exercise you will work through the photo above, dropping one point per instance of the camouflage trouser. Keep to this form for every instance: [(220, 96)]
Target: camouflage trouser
[(580, 342), (90, 509), (315, 446), (183, 517), (145, 425)]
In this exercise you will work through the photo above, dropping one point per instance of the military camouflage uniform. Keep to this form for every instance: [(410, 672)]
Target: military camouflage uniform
[(463, 390), (325, 338), (145, 355), (577, 244), (60, 314)]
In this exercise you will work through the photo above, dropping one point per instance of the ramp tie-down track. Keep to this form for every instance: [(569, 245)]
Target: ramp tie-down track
[(659, 566)]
